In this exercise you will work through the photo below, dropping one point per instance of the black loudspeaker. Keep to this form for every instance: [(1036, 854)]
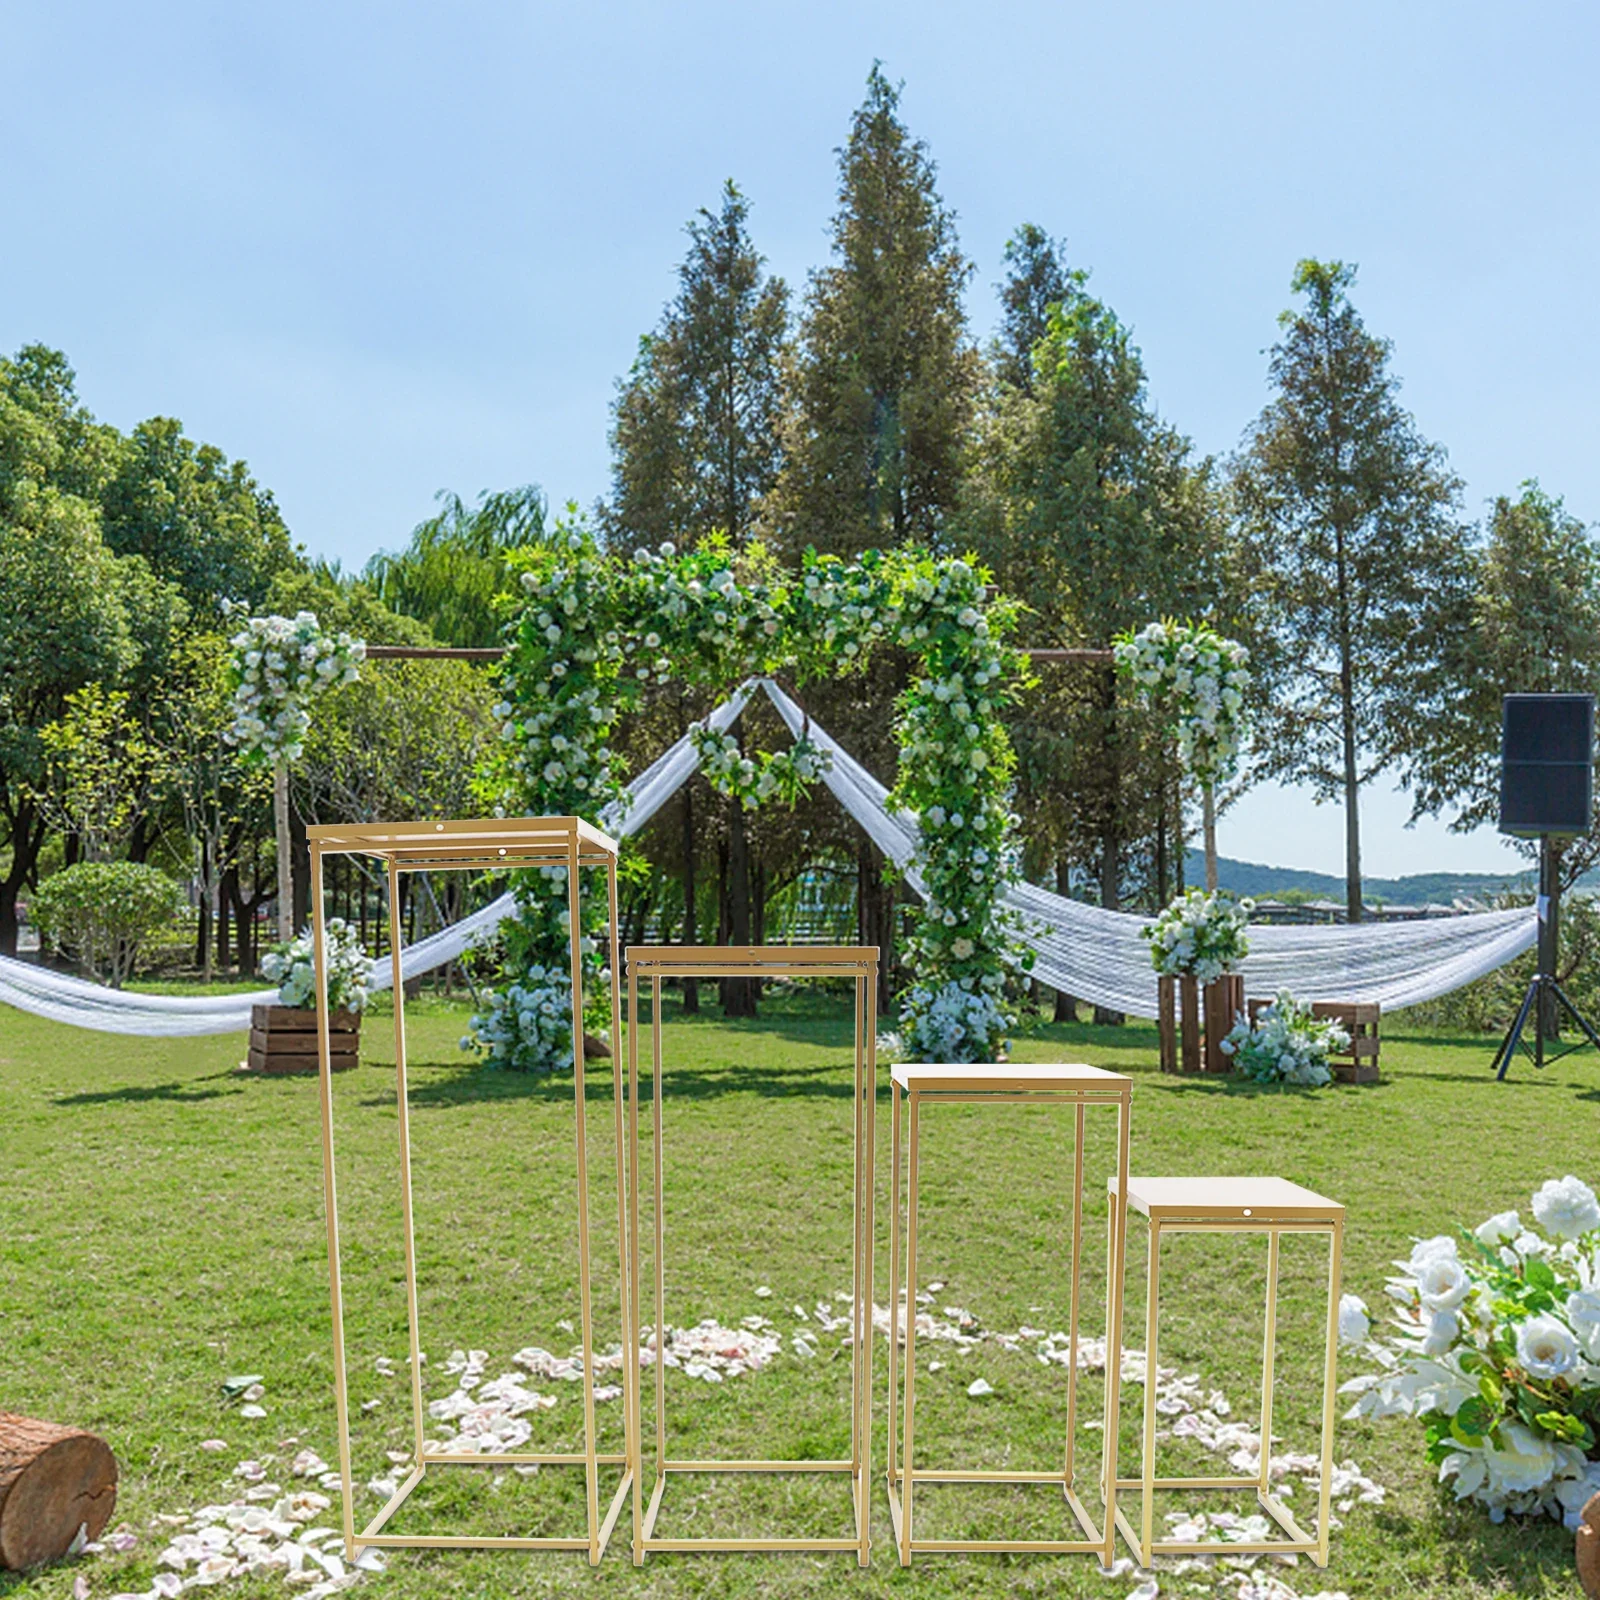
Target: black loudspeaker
[(1546, 764)]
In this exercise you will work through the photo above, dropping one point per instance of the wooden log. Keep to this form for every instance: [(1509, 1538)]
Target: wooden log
[(1224, 1002), (1166, 1025), (1588, 1540), (53, 1481), (1189, 1002)]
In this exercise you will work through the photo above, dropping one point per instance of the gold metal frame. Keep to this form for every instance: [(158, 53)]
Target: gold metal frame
[(1064, 1085), (488, 845), (1274, 1207), (654, 963)]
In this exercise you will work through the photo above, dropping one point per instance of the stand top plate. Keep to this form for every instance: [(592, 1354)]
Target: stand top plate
[(482, 843), (930, 1077), (752, 960), (1248, 1201)]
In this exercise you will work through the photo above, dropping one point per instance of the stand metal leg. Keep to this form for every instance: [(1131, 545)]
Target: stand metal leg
[(1269, 1352), (907, 1481), (1147, 1506)]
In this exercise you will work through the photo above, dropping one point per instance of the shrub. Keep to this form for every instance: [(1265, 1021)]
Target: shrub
[(100, 912)]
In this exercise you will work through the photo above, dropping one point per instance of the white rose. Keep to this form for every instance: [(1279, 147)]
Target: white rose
[(1354, 1322), (1566, 1207), (1444, 1327), (1583, 1312), (1442, 1283), (1545, 1347), (1526, 1461), (1424, 1251), (1499, 1228)]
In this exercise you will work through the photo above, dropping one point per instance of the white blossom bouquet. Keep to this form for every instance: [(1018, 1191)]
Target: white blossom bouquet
[(527, 1026), (956, 1021), (1203, 677), (291, 965), (1285, 1044), (1498, 1354), (752, 780), (278, 668), (1199, 935)]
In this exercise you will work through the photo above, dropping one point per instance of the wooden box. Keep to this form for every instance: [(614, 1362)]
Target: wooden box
[(1187, 1043), (284, 1039), (1360, 1019)]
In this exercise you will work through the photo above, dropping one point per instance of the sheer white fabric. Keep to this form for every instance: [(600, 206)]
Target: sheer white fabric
[(1092, 954)]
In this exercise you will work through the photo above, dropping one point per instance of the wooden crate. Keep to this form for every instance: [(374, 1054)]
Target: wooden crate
[(284, 1039), (1360, 1019), (1188, 1043)]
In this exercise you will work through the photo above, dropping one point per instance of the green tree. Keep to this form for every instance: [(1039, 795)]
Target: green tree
[(1037, 280), (103, 911), (454, 569), (885, 381), (694, 434), (1090, 509), (200, 521), (1350, 539)]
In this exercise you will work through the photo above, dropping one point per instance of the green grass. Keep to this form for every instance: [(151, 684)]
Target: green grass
[(161, 1228)]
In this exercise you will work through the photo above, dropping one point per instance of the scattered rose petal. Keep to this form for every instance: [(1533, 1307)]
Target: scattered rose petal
[(980, 1387)]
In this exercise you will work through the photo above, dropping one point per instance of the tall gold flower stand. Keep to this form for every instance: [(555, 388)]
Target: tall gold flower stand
[(1077, 1087), (650, 965), (1275, 1207), (492, 845)]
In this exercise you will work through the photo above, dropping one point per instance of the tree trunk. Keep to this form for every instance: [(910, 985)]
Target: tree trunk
[(53, 1481), (738, 994), (226, 886), (1208, 803), (299, 869), (1110, 829), (875, 907), (280, 821), (1352, 807), (1066, 1005), (27, 839), (691, 923), (1549, 1019)]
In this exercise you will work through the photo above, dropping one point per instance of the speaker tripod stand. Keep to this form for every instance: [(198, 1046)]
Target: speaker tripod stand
[(1544, 999)]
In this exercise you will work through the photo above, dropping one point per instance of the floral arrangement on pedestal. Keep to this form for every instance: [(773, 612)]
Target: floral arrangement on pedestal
[(592, 628), (1199, 935), (278, 668), (1285, 1044), (1497, 1353), (291, 965), (1199, 678)]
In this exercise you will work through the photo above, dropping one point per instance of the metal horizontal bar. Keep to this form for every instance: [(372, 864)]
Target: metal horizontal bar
[(393, 1503), (422, 1541), (688, 1546), (1058, 1097), (1244, 1225), (1021, 1546), (759, 1466), (1192, 1483), (935, 1475), (1215, 1547), (450, 1458)]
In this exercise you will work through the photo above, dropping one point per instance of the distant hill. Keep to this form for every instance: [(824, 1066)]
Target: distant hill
[(1259, 881)]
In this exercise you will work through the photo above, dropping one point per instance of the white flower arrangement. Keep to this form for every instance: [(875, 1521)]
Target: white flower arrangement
[(291, 965), (1199, 935), (1497, 1353), (786, 775), (280, 665), (1202, 677), (527, 1027), (953, 1022), (593, 630), (1286, 1044)]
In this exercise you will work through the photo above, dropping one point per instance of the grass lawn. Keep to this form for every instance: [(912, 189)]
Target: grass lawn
[(161, 1230)]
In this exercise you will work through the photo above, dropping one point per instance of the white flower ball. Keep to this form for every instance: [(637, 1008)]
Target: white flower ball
[(1566, 1207), (1442, 1283)]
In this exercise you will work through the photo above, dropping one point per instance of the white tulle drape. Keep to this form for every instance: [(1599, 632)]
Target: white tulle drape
[(1095, 955)]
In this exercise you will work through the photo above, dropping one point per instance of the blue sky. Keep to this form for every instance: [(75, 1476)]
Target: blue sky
[(383, 250)]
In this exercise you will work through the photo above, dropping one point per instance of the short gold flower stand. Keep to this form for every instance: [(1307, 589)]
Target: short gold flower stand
[(650, 965), (490, 845), (1074, 1086), (1275, 1207)]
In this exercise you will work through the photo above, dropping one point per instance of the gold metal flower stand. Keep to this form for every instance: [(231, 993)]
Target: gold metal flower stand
[(651, 965), (493, 845), (1275, 1207), (1075, 1086)]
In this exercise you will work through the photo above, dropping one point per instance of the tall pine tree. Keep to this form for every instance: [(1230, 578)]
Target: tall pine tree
[(1350, 539), (695, 427), (885, 381)]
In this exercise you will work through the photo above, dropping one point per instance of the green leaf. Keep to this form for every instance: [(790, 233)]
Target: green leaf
[(1539, 1274), (1474, 1419)]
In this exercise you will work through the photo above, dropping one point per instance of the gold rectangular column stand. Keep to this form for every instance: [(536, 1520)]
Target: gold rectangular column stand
[(1272, 1206), (653, 964), (490, 845), (922, 1084)]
